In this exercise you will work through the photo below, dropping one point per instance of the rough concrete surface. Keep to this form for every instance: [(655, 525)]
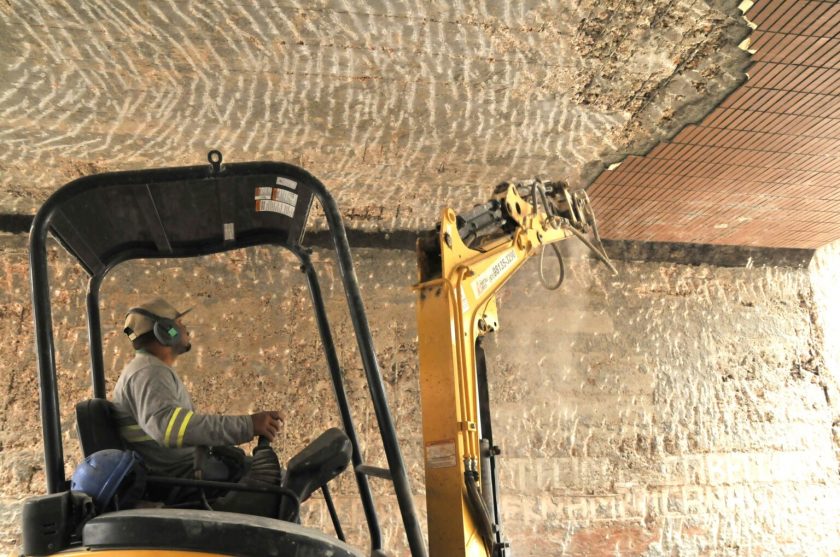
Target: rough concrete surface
[(400, 107), (672, 410), (825, 276)]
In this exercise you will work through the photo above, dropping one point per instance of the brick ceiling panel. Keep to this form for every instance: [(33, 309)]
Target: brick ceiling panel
[(767, 158)]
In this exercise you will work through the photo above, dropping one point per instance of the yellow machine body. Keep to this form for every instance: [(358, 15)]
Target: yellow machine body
[(453, 311), (81, 552)]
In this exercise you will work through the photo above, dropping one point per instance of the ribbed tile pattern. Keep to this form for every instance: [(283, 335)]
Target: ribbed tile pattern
[(763, 168)]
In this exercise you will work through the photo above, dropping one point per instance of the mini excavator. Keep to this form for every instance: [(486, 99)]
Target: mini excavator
[(106, 219), (462, 265)]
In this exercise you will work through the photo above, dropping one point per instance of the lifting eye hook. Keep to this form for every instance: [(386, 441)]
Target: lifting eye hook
[(214, 157)]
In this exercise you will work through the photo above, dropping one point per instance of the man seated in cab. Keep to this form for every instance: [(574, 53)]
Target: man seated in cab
[(156, 416)]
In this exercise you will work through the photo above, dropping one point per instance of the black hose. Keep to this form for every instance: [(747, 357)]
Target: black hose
[(590, 216), (537, 187), (204, 500), (562, 268), (480, 512)]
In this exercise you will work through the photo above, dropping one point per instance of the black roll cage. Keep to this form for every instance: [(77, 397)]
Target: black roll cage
[(51, 218)]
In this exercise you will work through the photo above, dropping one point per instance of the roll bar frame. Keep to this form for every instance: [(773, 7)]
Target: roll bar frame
[(45, 345)]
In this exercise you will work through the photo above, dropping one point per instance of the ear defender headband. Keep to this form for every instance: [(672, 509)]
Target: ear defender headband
[(165, 329)]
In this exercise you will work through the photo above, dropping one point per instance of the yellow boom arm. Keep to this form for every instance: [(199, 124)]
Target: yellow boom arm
[(460, 272)]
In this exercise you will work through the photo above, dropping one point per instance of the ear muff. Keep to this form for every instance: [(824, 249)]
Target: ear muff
[(165, 330)]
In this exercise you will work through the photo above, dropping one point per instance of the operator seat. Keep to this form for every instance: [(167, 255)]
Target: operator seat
[(97, 427)]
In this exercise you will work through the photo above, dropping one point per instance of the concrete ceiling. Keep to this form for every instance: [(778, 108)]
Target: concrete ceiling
[(399, 107)]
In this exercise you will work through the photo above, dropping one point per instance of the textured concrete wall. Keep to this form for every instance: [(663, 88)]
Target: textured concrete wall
[(679, 410), (425, 102), (671, 410), (825, 276)]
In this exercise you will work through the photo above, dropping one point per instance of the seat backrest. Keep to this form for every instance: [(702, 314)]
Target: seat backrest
[(97, 427)]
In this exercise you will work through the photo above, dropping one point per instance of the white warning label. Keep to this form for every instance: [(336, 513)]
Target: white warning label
[(285, 196), (441, 454), (229, 232), (291, 184), (275, 207), (493, 273), (263, 193)]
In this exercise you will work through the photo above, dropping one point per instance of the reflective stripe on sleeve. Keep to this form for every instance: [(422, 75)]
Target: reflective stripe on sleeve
[(183, 429), (134, 434), (166, 438)]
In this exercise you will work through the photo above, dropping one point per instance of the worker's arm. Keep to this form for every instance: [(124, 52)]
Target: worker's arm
[(165, 414)]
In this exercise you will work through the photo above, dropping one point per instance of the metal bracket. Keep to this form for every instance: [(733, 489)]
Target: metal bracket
[(468, 426), (214, 157)]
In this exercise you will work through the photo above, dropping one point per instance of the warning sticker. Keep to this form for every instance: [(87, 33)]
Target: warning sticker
[(263, 193), (441, 454), (465, 304), (291, 184), (275, 207), (285, 196), (493, 273), (276, 200)]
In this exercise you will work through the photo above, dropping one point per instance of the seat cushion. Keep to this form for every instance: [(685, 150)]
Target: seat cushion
[(213, 532)]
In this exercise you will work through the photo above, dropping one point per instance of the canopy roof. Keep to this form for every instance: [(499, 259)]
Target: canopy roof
[(180, 212)]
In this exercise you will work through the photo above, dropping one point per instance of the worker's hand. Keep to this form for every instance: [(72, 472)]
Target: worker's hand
[(267, 423)]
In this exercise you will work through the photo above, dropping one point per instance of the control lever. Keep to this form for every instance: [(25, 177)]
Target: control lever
[(319, 462)]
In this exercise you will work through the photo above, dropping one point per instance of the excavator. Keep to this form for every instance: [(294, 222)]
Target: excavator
[(106, 219)]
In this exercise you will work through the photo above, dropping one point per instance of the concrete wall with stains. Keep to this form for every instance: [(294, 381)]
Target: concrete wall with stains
[(674, 409)]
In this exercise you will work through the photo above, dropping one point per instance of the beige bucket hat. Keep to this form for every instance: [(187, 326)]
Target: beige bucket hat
[(136, 323)]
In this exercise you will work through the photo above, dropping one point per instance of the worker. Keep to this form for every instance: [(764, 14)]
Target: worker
[(155, 413)]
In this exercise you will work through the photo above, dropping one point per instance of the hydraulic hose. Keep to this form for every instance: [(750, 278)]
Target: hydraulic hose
[(479, 509), (562, 268)]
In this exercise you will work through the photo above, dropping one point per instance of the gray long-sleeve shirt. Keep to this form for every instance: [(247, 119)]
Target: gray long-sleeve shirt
[(157, 418)]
